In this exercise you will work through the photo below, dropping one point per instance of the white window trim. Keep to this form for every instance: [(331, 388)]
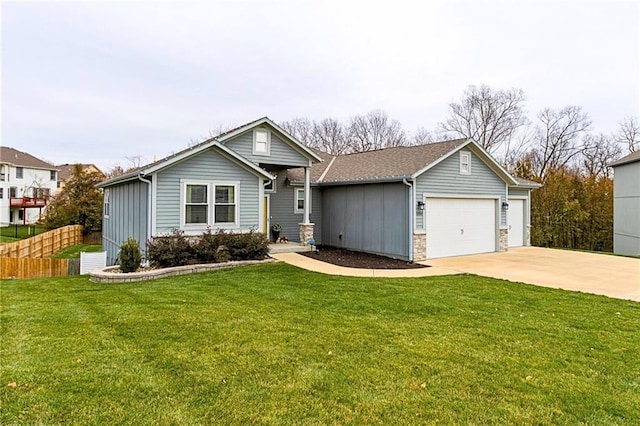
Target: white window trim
[(296, 210), (464, 154), (183, 203), (268, 151), (105, 203), (236, 195)]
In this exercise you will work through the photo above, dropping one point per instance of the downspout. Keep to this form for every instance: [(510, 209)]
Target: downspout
[(410, 219), (148, 182)]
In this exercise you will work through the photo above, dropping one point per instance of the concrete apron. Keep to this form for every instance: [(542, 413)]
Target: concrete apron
[(602, 274)]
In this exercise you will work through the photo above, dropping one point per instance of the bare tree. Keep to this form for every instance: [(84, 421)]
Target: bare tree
[(629, 133), (300, 128), (329, 135), (422, 136), (375, 131), (489, 117), (599, 151), (557, 138), (135, 161)]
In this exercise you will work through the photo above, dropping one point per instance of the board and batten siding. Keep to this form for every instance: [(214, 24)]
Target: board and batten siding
[(128, 217), (626, 209), (281, 153), (210, 166), (282, 210), (370, 218), (445, 178)]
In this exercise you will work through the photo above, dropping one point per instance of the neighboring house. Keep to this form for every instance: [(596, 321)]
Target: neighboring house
[(26, 184), (626, 204), (66, 170), (436, 200)]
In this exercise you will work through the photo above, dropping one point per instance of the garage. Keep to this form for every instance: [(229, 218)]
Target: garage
[(459, 226), (515, 221)]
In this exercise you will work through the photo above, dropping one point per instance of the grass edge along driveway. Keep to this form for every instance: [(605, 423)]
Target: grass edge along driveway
[(275, 344)]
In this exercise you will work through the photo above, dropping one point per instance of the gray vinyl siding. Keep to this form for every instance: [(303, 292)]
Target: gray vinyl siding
[(210, 166), (282, 210), (370, 218), (127, 218), (515, 192), (445, 178), (626, 209), (281, 152)]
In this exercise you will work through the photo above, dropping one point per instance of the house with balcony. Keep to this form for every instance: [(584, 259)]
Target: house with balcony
[(26, 185)]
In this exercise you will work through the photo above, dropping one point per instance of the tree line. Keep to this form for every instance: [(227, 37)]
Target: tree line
[(557, 148)]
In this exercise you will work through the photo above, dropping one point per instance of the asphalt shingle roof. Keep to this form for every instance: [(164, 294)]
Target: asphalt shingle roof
[(22, 159), (382, 164)]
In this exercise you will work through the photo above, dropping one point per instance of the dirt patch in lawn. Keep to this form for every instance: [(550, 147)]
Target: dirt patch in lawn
[(355, 259)]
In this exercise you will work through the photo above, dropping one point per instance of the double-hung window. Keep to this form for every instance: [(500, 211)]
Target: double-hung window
[(196, 208), (225, 204), (298, 206), (52, 175), (465, 163), (19, 172), (261, 142)]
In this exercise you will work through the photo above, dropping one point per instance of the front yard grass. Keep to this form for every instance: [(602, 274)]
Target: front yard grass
[(278, 345), (73, 252)]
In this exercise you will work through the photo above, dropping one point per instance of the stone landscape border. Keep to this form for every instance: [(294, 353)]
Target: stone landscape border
[(109, 274)]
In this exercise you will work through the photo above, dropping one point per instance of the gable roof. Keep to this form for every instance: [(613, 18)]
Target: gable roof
[(218, 143), (18, 158), (66, 170), (631, 158), (391, 164), (229, 134)]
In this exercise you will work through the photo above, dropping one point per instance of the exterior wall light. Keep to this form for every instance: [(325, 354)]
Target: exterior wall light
[(420, 205), (505, 205)]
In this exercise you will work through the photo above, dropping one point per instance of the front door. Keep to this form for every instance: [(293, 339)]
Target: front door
[(266, 220)]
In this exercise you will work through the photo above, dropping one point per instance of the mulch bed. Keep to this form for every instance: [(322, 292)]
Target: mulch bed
[(355, 259)]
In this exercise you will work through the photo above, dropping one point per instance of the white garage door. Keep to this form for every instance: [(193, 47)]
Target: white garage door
[(515, 220), (458, 226)]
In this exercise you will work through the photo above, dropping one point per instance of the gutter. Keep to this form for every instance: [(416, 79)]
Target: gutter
[(148, 182), (410, 219)]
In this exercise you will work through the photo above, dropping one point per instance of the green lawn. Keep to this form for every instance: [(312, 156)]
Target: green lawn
[(73, 252), (12, 233), (274, 344)]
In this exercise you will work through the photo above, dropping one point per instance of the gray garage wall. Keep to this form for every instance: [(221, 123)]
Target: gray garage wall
[(127, 218), (371, 218), (626, 209)]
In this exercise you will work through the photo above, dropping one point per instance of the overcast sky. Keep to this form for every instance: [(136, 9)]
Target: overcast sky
[(96, 82)]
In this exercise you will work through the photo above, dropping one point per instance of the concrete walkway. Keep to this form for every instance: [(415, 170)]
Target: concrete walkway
[(607, 275), (328, 268)]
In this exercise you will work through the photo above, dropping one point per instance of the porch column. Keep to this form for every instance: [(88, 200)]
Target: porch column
[(307, 194), (306, 227)]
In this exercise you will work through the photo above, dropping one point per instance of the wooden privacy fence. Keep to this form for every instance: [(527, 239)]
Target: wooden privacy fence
[(45, 244), (11, 267)]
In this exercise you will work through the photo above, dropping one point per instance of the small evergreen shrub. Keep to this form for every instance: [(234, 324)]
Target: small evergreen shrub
[(172, 250), (130, 257)]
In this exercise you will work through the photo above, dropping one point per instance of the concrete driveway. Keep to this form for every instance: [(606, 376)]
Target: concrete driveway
[(612, 276)]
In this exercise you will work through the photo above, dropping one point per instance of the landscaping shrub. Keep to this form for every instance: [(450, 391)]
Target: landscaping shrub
[(250, 246), (210, 247), (130, 257), (172, 250)]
